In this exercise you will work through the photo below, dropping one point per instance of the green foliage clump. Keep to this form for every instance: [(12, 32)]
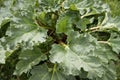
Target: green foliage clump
[(58, 40)]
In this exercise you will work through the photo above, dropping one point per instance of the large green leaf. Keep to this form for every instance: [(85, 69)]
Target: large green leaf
[(29, 24), (43, 72), (24, 29), (29, 58), (30, 34), (72, 62), (78, 54)]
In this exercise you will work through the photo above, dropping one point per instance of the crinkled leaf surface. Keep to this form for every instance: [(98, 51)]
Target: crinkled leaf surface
[(5, 10), (83, 44), (111, 23), (109, 72), (43, 72), (72, 62), (114, 42), (76, 17), (50, 5), (69, 19), (2, 55), (75, 56), (24, 29), (104, 52), (29, 58), (86, 7), (23, 33)]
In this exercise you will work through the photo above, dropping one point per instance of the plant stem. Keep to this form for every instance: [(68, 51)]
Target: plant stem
[(93, 28), (54, 69), (104, 42), (62, 43), (18, 78)]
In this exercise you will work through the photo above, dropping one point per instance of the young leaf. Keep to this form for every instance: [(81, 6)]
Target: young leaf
[(65, 22)]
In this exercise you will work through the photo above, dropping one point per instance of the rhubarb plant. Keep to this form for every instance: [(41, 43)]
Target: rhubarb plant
[(59, 39)]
